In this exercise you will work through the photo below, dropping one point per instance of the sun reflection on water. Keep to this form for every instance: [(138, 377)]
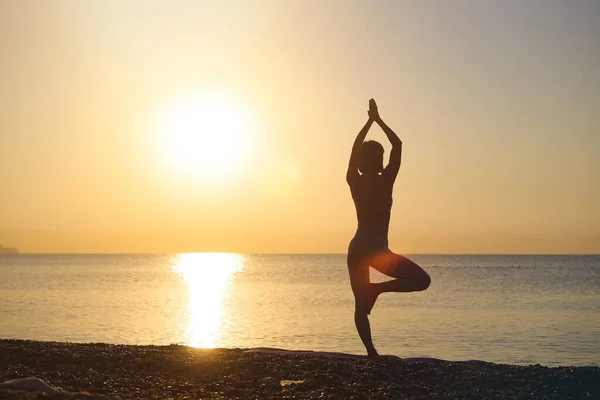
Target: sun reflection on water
[(207, 277)]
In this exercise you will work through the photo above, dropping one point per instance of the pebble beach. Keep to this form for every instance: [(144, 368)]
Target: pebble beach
[(106, 371)]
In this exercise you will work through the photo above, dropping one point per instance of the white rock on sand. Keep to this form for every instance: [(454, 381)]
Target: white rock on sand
[(34, 384)]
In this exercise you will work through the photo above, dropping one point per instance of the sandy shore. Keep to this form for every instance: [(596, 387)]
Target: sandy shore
[(179, 372)]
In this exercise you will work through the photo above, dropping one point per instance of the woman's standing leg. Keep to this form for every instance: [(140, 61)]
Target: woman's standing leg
[(364, 299)]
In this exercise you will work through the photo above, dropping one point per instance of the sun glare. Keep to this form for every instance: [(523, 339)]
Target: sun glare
[(207, 136), (207, 277)]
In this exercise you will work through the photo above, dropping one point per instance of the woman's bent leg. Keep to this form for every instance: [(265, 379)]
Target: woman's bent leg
[(409, 276)]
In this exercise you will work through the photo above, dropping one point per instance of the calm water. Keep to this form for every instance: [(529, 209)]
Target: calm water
[(512, 309)]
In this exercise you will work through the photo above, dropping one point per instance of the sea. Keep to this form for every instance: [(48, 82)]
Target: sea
[(515, 309)]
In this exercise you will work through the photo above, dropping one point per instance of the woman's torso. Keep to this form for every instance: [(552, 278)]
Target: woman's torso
[(372, 195)]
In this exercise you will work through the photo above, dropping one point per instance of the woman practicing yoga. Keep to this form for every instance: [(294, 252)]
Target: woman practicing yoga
[(371, 186)]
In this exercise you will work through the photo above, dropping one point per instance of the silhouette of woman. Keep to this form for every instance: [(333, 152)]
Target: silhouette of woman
[(371, 186)]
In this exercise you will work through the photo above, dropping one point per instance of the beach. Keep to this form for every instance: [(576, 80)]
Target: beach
[(181, 372)]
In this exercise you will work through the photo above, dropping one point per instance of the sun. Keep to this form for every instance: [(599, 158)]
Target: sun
[(206, 136)]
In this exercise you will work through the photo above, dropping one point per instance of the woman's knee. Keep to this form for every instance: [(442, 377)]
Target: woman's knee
[(421, 278), (423, 281)]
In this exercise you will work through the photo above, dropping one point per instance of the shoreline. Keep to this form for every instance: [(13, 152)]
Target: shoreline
[(177, 371)]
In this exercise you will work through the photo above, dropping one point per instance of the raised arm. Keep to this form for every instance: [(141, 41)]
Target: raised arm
[(391, 171), (353, 164), (396, 154)]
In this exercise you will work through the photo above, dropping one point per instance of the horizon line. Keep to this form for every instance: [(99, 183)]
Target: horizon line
[(293, 254)]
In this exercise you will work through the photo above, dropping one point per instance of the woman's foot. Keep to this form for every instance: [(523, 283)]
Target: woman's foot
[(372, 354)]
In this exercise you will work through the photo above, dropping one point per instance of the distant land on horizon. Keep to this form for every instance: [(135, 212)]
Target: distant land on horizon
[(8, 250)]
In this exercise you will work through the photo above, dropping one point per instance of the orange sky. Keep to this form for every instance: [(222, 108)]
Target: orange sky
[(496, 104)]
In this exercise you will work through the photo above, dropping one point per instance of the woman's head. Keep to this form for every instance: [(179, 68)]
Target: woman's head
[(370, 157)]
